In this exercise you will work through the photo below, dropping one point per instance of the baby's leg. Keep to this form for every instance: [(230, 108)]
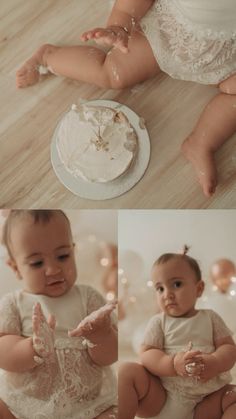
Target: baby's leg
[(109, 414), (219, 405), (216, 124), (140, 393), (89, 64), (5, 412), (229, 85)]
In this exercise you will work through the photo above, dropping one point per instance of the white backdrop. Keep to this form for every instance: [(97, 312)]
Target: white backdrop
[(145, 235), (211, 234)]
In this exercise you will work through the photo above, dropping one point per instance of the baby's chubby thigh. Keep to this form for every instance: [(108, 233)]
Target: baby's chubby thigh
[(212, 406), (5, 412), (228, 86), (135, 66)]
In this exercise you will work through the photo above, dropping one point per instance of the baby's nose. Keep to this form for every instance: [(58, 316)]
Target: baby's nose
[(169, 294), (52, 269)]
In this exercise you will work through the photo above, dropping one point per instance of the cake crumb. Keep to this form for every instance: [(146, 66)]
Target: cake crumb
[(142, 123)]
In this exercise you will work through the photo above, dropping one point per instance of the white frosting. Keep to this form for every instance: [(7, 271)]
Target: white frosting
[(96, 143)]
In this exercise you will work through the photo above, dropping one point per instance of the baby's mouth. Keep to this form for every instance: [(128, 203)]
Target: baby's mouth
[(56, 282)]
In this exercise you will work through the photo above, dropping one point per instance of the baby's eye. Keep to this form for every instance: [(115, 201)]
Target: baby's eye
[(160, 289), (177, 284), (36, 264), (64, 256)]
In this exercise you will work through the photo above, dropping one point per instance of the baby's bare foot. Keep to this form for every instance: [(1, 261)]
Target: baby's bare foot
[(43, 333), (203, 163), (29, 73)]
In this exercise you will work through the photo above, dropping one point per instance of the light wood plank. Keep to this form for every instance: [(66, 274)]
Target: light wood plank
[(28, 118)]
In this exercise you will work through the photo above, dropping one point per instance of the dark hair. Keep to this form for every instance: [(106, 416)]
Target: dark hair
[(181, 256), (39, 216)]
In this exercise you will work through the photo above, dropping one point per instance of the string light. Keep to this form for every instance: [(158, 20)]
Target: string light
[(110, 296), (124, 280), (104, 261), (120, 271), (149, 284), (232, 293)]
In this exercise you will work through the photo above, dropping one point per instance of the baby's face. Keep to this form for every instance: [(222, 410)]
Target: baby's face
[(43, 255), (177, 288)]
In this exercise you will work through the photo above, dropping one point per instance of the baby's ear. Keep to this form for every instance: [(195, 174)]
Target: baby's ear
[(200, 287), (13, 266)]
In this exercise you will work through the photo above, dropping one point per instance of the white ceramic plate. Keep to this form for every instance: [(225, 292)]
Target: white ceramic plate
[(117, 187)]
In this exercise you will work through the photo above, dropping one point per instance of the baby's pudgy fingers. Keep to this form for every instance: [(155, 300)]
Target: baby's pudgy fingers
[(86, 36), (192, 354), (52, 321), (81, 330)]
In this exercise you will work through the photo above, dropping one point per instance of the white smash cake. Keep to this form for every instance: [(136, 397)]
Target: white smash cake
[(96, 143)]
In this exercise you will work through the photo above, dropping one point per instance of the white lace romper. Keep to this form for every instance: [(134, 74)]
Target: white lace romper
[(172, 334), (193, 40), (79, 389)]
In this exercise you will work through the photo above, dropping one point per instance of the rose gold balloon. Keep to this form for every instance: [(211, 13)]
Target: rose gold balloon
[(110, 278), (221, 274)]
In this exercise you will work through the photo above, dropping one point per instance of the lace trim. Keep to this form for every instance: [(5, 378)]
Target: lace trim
[(171, 8), (10, 322), (220, 330), (184, 53), (154, 334)]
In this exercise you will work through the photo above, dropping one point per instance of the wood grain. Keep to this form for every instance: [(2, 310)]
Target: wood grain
[(28, 118)]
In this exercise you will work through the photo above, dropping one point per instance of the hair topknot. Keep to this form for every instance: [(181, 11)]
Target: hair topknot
[(185, 249), (181, 256)]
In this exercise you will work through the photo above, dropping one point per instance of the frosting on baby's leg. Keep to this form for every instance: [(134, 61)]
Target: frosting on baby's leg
[(29, 73)]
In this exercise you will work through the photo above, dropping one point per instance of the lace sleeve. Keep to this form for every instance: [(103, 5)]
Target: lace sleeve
[(153, 335), (10, 322), (220, 330)]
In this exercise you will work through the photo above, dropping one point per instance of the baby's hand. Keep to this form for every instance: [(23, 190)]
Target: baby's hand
[(114, 36), (43, 334), (210, 369), (96, 325), (183, 361)]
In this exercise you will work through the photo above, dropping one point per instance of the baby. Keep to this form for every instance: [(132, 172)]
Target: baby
[(193, 383), (188, 39), (57, 368)]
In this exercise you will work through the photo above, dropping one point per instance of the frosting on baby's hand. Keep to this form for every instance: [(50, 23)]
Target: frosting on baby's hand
[(43, 334), (97, 321)]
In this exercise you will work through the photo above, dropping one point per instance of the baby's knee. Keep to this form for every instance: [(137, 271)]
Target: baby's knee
[(128, 371), (229, 397), (228, 86)]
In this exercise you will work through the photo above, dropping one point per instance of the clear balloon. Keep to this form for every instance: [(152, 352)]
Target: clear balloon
[(222, 273)]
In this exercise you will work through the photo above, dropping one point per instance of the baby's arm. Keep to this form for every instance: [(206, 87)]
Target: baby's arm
[(159, 363), (223, 359), (16, 353), (124, 18), (126, 12)]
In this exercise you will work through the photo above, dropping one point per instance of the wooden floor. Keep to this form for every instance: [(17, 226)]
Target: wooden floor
[(28, 118)]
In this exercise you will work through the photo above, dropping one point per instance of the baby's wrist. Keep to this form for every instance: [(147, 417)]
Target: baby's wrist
[(174, 364)]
